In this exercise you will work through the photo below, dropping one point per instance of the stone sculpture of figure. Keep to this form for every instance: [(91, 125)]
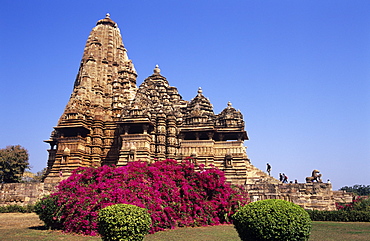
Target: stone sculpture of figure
[(269, 169), (66, 154), (228, 160), (316, 176), (193, 158)]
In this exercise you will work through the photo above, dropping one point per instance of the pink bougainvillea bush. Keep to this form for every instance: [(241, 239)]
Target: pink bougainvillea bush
[(174, 193)]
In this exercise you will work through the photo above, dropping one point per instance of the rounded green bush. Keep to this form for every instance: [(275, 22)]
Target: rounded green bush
[(46, 209), (272, 219), (123, 222)]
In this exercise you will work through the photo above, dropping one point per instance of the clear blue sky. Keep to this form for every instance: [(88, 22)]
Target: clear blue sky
[(298, 70)]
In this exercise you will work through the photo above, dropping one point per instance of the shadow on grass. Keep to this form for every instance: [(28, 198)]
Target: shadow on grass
[(41, 227)]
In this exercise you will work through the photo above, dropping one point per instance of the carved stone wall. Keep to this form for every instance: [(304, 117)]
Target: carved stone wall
[(311, 196), (23, 193), (343, 196), (318, 196)]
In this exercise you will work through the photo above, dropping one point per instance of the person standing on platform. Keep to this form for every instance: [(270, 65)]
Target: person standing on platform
[(285, 180), (269, 169)]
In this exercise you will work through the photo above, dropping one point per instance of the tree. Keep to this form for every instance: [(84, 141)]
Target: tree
[(33, 177), (40, 175), (360, 190), (28, 176), (13, 163)]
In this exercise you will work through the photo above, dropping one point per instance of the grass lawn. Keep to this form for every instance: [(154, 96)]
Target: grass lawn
[(340, 231), (27, 227)]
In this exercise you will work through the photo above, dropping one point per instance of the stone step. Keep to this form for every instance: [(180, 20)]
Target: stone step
[(255, 175)]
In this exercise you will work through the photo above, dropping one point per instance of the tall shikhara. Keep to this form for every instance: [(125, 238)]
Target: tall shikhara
[(108, 120)]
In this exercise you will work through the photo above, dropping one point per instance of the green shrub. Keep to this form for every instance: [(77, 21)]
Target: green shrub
[(339, 216), (358, 204), (362, 204), (46, 209), (3, 209), (272, 219), (17, 209), (123, 222), (29, 208)]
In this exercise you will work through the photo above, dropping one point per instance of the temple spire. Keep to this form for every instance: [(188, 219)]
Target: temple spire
[(104, 65)]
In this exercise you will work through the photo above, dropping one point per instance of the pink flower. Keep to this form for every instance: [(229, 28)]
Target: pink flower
[(174, 194)]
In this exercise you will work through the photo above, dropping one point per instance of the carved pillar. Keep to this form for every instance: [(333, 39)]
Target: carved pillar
[(145, 129), (97, 143), (161, 136), (210, 135), (171, 137), (126, 129)]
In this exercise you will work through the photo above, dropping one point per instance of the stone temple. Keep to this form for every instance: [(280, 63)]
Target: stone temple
[(109, 120)]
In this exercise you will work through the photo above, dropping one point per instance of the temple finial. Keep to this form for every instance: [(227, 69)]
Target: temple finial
[(200, 91), (107, 15), (157, 70), (229, 104)]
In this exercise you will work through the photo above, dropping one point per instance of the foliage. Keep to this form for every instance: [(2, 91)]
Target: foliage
[(46, 208), (173, 193), (272, 219), (359, 190), (27, 177), (33, 177), (123, 222), (40, 175), (17, 209), (13, 162), (358, 204), (339, 216), (356, 211)]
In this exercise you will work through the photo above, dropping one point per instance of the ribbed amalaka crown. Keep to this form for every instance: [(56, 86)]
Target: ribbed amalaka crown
[(106, 80), (202, 103)]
